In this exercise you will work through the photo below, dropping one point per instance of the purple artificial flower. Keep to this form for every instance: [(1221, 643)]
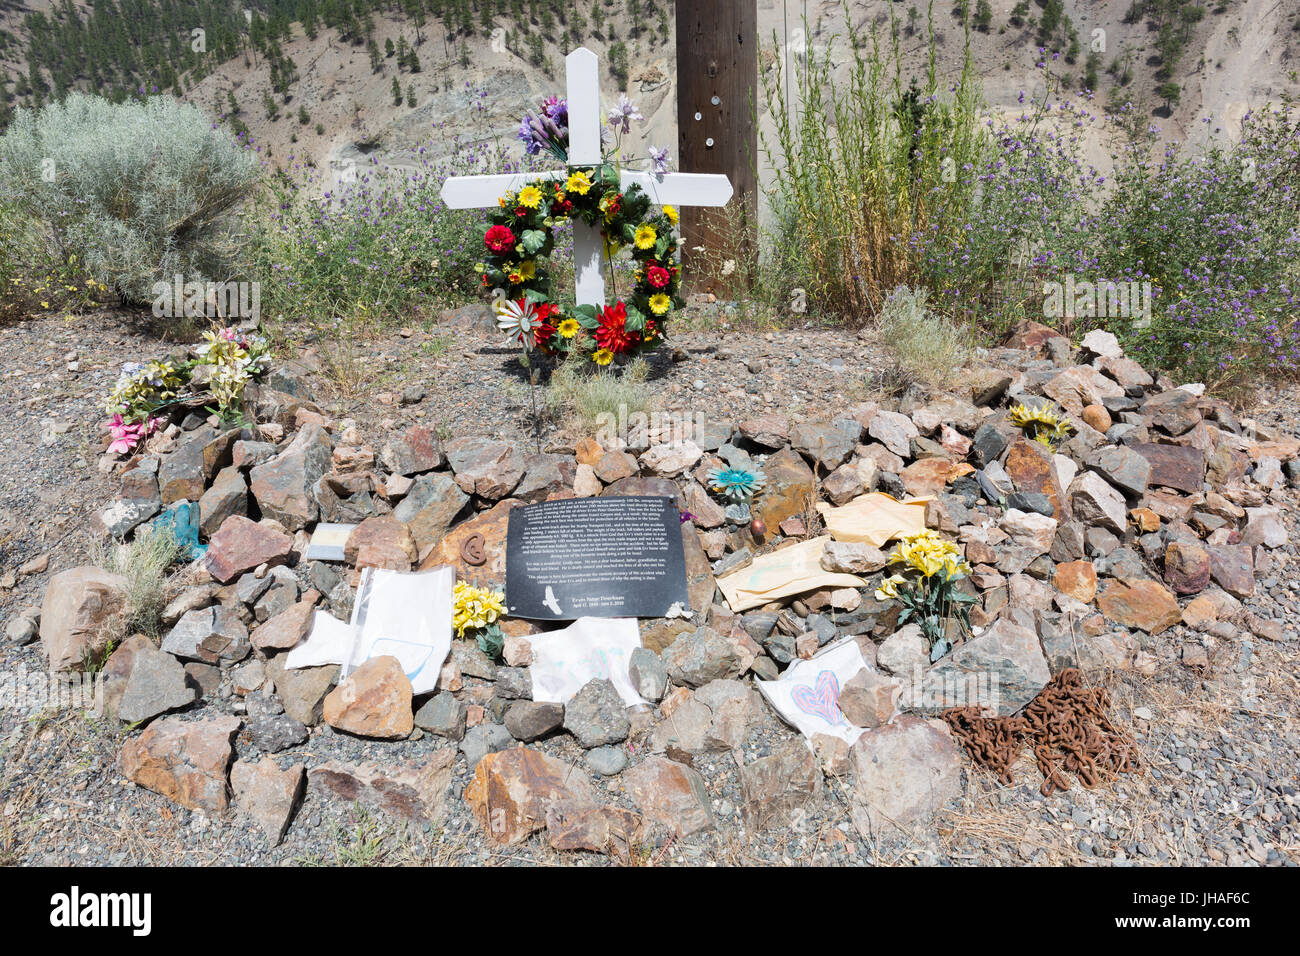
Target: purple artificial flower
[(622, 115), (659, 157)]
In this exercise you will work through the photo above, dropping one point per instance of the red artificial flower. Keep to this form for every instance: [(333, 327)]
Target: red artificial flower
[(521, 211), (658, 276), (650, 331), (545, 331), (499, 239), (612, 332)]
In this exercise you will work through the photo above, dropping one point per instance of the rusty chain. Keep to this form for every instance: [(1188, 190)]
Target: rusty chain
[(1067, 726)]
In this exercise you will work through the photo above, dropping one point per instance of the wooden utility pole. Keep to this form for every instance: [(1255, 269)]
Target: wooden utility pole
[(717, 95)]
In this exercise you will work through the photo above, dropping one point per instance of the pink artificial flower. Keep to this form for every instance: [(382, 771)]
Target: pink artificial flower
[(126, 435)]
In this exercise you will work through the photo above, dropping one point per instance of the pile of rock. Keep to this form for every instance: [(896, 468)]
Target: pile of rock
[(1159, 511)]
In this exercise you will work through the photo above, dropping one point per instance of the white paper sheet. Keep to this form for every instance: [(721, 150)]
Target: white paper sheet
[(589, 648), (330, 642), (407, 616), (807, 694)]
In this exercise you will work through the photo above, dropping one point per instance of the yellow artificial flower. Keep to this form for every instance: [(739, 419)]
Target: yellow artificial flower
[(671, 213), (579, 183), (660, 303), (530, 196), (568, 328), (888, 589), (474, 607), (928, 552), (528, 269), (612, 247), (645, 237), (602, 357)]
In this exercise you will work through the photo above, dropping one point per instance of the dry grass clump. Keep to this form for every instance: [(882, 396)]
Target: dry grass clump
[(586, 397), (926, 347), (144, 563)]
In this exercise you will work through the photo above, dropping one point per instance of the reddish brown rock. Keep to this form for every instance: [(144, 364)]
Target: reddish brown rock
[(670, 793), (381, 542), (1233, 568), (1146, 605), (373, 701), (417, 451), (185, 762), (610, 830), (790, 488), (241, 545), (1175, 411), (79, 606), (1180, 467), (614, 465), (1030, 466), (1078, 579), (416, 792), (770, 431), (513, 791), (1146, 520), (1187, 567), (588, 451), (1030, 335), (489, 469), (1096, 416), (1081, 386), (268, 794), (929, 476), (285, 629), (492, 526)]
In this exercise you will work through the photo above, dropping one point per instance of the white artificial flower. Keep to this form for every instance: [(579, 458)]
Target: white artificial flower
[(517, 320)]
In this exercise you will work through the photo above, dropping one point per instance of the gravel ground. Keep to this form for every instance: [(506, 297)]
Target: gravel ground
[(1220, 748)]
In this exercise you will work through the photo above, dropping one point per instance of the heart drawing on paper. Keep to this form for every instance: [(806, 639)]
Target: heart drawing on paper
[(819, 700)]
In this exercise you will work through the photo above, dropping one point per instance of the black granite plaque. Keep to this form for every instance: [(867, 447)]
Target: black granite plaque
[(595, 557)]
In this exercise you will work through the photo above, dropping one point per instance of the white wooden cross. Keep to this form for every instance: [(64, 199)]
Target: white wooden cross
[(682, 189)]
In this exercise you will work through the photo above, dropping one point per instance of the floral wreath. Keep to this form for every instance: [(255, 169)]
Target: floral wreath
[(520, 236)]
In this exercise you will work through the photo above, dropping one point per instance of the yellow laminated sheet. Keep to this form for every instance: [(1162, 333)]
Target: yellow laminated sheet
[(874, 519), (783, 573)]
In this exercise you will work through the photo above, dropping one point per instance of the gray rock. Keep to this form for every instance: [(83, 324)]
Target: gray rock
[(648, 673), (596, 715), (429, 509), (211, 635), (700, 656), (483, 740), (444, 715), (24, 628), (776, 788), (272, 733), (903, 774), (156, 685), (1095, 502), (903, 652), (1030, 501), (530, 720), (1003, 669), (1122, 467), (514, 683), (606, 761)]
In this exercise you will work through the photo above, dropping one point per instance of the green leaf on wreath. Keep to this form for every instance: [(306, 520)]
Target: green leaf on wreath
[(533, 240), (635, 319), (586, 315)]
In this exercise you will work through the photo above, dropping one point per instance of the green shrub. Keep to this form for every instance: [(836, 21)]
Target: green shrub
[(138, 192), (865, 164)]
